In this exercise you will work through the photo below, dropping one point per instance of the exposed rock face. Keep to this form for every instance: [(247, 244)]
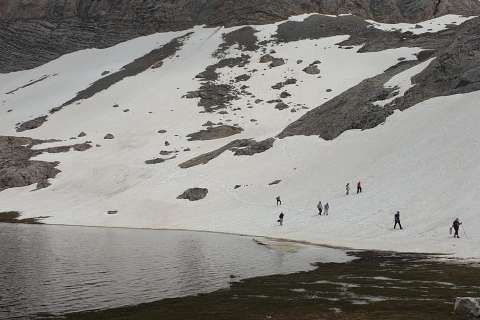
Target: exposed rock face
[(194, 194), (362, 34), (16, 168), (223, 12), (33, 32), (31, 124), (456, 69), (212, 133), (353, 109), (240, 147), (253, 147)]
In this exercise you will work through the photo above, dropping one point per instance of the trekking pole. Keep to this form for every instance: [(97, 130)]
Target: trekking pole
[(465, 233)]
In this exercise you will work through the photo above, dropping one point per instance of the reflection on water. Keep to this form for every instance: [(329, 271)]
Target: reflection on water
[(58, 269)]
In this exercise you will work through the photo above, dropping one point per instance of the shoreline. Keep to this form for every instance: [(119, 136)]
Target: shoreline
[(302, 242), (373, 285)]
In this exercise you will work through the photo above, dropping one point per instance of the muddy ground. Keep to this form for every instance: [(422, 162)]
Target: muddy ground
[(374, 286)]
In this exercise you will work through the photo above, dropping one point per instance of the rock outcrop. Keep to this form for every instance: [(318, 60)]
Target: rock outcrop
[(17, 169), (456, 69)]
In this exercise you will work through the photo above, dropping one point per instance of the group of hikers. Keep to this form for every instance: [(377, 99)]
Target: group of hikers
[(325, 208)]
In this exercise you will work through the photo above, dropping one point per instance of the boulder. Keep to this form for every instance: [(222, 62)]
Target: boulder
[(194, 194), (312, 69), (467, 308)]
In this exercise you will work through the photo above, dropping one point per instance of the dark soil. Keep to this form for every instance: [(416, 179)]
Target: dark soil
[(377, 285)]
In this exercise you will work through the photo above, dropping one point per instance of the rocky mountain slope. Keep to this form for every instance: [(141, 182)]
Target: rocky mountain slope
[(201, 127), (33, 32)]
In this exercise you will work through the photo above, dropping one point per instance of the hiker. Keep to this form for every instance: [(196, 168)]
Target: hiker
[(359, 187), (397, 221), (326, 207), (279, 201), (280, 218), (456, 227), (347, 189), (320, 207)]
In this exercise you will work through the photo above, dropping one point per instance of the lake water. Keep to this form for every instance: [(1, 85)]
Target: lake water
[(59, 269)]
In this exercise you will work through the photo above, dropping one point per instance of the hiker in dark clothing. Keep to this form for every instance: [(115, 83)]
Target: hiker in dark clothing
[(347, 189), (359, 187), (279, 201), (456, 227), (280, 218), (326, 207), (397, 221), (320, 208)]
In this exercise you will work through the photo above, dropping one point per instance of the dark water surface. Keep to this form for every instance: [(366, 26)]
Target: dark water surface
[(59, 269)]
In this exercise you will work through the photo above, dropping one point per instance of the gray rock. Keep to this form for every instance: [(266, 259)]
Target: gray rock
[(241, 147), (18, 170), (31, 124), (81, 134), (253, 147), (208, 124), (274, 182), (109, 136), (281, 106), (243, 77), (467, 308), (155, 161), (285, 94), (353, 109), (212, 133), (312, 69), (266, 58), (214, 96), (276, 62), (278, 86), (194, 194)]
